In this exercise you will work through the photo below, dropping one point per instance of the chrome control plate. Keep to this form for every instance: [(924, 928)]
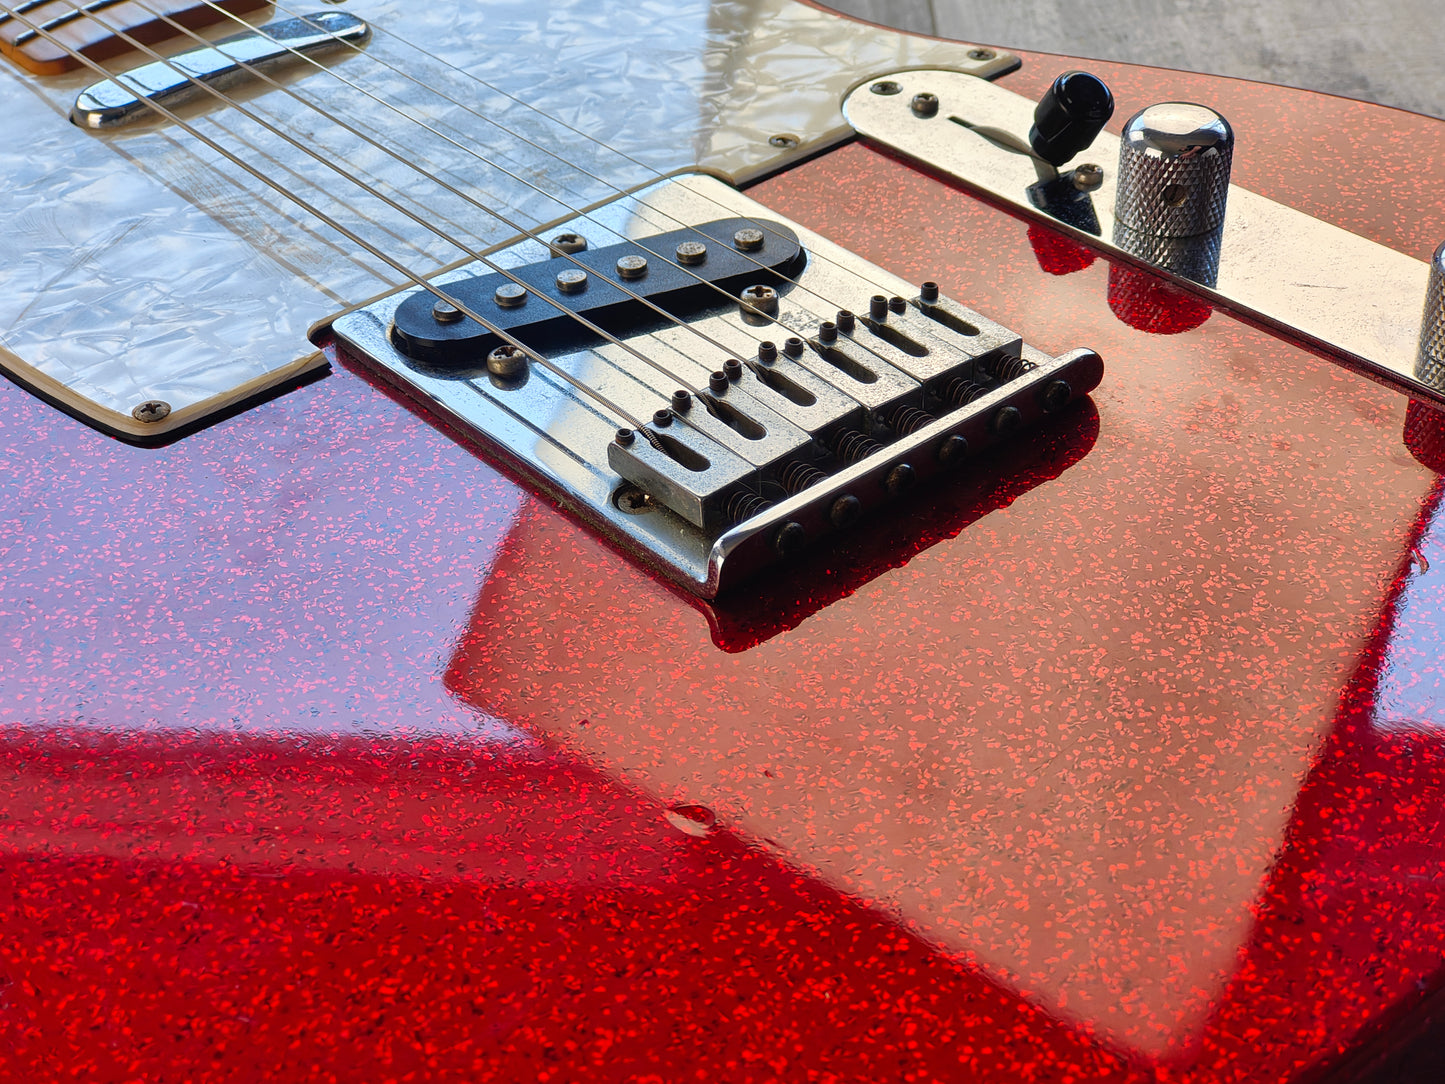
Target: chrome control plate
[(851, 415), (1347, 295)]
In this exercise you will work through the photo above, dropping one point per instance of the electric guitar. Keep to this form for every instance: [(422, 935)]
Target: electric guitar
[(349, 735)]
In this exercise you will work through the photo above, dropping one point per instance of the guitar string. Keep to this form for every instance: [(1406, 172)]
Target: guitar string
[(396, 206), (355, 238), (376, 60)]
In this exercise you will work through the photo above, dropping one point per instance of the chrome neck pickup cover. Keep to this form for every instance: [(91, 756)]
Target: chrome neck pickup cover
[(733, 408)]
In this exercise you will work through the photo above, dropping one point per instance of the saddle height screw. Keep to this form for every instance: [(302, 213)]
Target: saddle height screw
[(691, 253), (662, 417), (444, 312), (767, 352), (924, 105), (625, 437), (878, 307), (898, 305), (509, 295), (506, 361), (632, 267), (928, 292), (793, 346), (718, 382), (733, 369), (827, 332), (847, 322), (748, 239), (681, 401), (572, 281), (568, 244)]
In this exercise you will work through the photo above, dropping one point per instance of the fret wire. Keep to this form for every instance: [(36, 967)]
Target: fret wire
[(24, 9), (346, 232), (65, 19), (371, 58), (418, 219)]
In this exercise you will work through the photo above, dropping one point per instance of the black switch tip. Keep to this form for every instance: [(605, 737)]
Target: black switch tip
[(1072, 112)]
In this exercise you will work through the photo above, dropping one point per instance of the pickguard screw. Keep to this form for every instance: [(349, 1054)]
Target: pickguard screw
[(568, 244), (845, 511), (681, 401), (953, 450), (759, 301), (1088, 176), (748, 239), (691, 253), (928, 292), (718, 382), (151, 411), (733, 369), (1006, 420), (506, 361), (625, 437), (981, 54), (1057, 395), (885, 87), (899, 479), (924, 105), (767, 352), (790, 538), (846, 321), (662, 417), (784, 141), (572, 281), (632, 267), (509, 295), (444, 312)]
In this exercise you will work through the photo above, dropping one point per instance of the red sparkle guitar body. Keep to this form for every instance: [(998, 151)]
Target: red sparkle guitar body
[(331, 753)]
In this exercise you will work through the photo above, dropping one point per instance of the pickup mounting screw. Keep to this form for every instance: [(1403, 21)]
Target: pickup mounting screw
[(509, 295), (568, 244), (444, 312), (784, 141), (928, 292), (924, 105), (572, 281), (759, 301), (681, 401), (506, 361), (748, 239), (718, 382), (632, 267), (152, 411), (899, 479), (789, 539), (691, 253), (886, 87), (845, 511)]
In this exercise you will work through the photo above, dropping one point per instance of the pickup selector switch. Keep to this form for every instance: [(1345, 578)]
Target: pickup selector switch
[(1174, 161)]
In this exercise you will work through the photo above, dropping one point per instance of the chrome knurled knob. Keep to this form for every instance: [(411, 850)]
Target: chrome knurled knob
[(1430, 362), (1174, 163)]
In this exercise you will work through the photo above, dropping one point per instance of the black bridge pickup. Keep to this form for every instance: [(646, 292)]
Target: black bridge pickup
[(678, 282)]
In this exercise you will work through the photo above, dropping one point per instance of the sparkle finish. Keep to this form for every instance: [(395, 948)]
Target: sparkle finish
[(330, 755)]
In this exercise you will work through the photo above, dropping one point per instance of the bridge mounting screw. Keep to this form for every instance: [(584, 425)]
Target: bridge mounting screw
[(1007, 420), (568, 244), (151, 411), (662, 417), (878, 307), (632, 267), (847, 322), (1057, 394), (509, 295), (572, 281), (444, 312), (924, 105), (793, 346), (790, 538), (506, 361), (767, 352), (748, 239), (845, 511), (733, 369), (899, 478), (681, 401), (718, 382), (691, 253), (953, 450), (928, 292), (625, 437)]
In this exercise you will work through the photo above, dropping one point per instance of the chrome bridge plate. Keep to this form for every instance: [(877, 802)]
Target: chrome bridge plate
[(793, 425), (1355, 299)]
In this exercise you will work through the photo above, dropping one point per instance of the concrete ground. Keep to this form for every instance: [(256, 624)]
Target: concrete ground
[(1387, 51)]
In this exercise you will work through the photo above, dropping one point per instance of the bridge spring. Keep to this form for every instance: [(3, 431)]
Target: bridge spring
[(798, 476), (850, 446), (1010, 368), (744, 505), (960, 391), (908, 419)]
